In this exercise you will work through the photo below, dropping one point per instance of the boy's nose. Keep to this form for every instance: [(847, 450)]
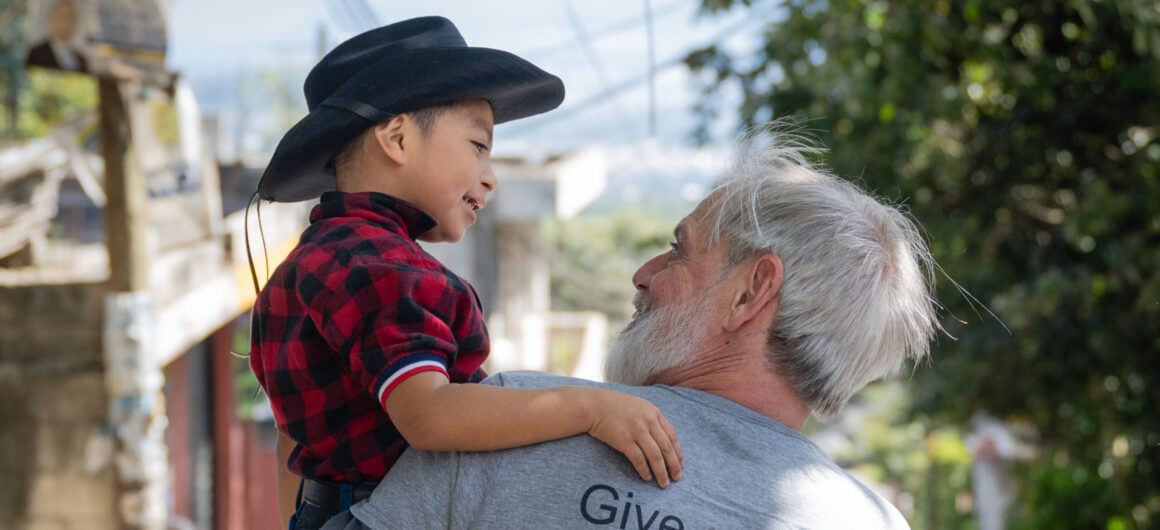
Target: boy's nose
[(488, 179)]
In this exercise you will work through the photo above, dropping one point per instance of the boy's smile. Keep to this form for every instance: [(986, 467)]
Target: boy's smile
[(448, 171)]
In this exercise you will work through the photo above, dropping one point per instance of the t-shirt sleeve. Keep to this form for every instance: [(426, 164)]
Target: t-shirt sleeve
[(391, 322), (423, 490), (431, 489)]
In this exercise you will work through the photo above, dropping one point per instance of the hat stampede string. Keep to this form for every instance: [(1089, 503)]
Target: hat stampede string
[(262, 234), (250, 255)]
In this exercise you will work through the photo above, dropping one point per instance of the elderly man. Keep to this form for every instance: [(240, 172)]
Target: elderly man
[(785, 292)]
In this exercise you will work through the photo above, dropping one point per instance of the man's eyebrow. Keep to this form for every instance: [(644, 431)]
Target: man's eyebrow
[(484, 126), (679, 231)]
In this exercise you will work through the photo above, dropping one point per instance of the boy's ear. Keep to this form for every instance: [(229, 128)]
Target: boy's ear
[(392, 137), (757, 287)]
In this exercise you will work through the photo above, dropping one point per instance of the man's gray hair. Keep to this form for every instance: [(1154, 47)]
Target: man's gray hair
[(855, 298)]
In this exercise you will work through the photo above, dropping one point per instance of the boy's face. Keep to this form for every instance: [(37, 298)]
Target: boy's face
[(452, 174)]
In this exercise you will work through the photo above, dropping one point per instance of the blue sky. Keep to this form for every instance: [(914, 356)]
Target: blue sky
[(213, 40)]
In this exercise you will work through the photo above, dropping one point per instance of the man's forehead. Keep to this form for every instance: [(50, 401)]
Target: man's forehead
[(697, 220), (692, 229)]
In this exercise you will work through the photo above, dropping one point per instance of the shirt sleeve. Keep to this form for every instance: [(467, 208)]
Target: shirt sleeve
[(432, 489), (391, 321)]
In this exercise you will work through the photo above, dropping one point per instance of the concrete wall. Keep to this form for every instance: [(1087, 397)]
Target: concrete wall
[(54, 458)]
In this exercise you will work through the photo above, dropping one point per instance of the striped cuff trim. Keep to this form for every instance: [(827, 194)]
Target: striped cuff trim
[(405, 372)]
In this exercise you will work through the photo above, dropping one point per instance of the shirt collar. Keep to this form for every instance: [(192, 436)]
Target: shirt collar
[(378, 208), (65, 56)]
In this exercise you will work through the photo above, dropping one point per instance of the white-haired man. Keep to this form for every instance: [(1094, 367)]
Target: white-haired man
[(785, 292)]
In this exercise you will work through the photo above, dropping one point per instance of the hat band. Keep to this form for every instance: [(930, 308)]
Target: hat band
[(353, 105)]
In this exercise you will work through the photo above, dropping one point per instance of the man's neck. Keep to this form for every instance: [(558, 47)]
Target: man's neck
[(744, 379)]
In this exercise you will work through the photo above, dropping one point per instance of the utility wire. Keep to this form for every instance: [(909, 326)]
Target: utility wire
[(364, 12), (594, 58), (607, 94), (652, 67), (352, 16), (620, 26), (339, 15)]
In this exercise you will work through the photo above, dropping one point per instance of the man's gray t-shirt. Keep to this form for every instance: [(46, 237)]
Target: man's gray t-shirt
[(742, 470)]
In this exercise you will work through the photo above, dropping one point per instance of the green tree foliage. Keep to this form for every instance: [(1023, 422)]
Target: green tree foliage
[(594, 256), (929, 464), (12, 17), (1023, 136)]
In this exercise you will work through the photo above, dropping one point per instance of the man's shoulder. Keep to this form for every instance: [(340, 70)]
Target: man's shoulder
[(742, 470), (529, 379), (660, 395)]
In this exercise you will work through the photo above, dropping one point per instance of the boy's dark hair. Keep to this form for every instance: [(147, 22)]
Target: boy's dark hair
[(425, 118)]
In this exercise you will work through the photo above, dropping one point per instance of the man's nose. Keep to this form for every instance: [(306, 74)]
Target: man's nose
[(644, 274)]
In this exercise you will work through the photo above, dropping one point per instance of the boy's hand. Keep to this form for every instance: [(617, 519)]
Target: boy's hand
[(635, 427)]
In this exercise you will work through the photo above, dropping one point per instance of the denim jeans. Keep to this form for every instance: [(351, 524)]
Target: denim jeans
[(309, 516)]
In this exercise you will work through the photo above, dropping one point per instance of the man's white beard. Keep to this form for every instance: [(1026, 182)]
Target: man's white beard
[(658, 340)]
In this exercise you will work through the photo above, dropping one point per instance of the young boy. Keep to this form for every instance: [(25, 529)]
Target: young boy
[(362, 340)]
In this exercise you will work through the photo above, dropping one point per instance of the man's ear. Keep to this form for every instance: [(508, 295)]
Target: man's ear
[(757, 287), (392, 137)]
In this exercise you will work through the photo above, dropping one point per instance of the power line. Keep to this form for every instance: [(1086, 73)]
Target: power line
[(652, 67), (611, 92), (340, 17), (620, 26), (364, 12), (593, 57), (352, 16)]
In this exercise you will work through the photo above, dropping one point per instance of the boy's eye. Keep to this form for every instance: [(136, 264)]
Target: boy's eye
[(480, 147)]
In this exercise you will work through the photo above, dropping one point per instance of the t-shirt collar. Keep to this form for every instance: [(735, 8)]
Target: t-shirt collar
[(375, 207)]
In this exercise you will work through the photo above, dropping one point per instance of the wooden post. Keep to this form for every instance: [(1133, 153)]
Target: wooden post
[(132, 378), (125, 189)]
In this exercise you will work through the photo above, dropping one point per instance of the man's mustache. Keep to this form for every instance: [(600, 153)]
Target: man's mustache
[(640, 302)]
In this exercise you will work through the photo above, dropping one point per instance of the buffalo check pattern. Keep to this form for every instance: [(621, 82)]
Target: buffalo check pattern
[(355, 309)]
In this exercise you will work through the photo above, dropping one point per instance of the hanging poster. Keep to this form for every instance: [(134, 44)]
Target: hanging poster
[(58, 35), (181, 182), (121, 38)]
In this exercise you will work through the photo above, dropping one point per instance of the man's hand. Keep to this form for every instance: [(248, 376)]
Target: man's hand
[(636, 428)]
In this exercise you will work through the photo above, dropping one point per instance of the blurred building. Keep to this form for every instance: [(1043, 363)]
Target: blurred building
[(54, 400), (55, 424), (501, 256)]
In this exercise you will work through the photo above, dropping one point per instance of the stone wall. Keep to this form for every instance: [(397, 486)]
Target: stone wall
[(54, 455)]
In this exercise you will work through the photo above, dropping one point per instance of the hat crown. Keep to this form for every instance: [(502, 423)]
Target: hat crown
[(363, 50)]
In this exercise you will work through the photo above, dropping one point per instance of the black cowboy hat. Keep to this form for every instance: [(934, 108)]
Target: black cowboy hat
[(397, 68)]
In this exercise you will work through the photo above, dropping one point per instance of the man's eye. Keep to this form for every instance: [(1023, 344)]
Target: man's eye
[(676, 249)]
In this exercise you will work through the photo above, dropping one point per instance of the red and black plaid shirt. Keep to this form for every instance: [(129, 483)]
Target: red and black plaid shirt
[(356, 308)]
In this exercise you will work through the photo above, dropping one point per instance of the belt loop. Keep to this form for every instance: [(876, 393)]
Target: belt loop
[(345, 496)]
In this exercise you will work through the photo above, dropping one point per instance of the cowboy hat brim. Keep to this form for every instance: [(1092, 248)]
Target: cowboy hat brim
[(515, 88)]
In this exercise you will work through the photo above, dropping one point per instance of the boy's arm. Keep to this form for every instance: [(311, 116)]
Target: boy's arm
[(433, 414)]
